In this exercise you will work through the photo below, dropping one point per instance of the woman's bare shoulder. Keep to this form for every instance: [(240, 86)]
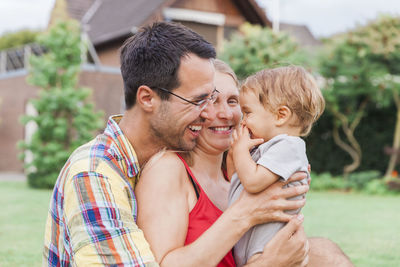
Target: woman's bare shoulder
[(165, 166), (164, 159)]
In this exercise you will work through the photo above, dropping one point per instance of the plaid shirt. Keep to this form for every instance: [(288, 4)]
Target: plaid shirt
[(92, 213)]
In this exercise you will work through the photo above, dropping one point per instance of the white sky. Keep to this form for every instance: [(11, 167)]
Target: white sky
[(23, 14), (327, 17), (323, 17)]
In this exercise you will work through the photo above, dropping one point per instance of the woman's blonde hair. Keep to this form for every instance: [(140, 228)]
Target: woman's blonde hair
[(291, 86), (222, 67)]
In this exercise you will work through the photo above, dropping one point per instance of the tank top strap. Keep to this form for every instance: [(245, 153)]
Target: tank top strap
[(196, 185)]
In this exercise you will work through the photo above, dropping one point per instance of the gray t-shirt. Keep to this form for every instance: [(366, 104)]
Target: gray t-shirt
[(283, 155)]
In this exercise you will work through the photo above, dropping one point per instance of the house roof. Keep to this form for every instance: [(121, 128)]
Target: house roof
[(253, 12), (108, 20), (78, 8), (301, 33), (115, 19)]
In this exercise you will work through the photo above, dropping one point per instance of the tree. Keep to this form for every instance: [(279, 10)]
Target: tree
[(347, 93), (254, 48), (65, 117), (362, 69), (382, 36), (15, 39)]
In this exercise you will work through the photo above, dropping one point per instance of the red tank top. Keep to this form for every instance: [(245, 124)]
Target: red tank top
[(202, 216)]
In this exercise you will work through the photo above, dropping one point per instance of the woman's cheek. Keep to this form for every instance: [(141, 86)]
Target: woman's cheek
[(237, 116)]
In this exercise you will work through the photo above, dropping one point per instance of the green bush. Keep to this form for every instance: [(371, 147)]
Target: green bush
[(15, 39), (65, 117), (325, 181), (376, 187), (254, 48), (393, 184), (359, 180), (369, 182)]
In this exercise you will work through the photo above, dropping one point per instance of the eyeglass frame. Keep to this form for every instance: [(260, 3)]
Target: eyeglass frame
[(211, 99)]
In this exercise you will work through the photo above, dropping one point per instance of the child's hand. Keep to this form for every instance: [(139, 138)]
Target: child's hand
[(241, 139)]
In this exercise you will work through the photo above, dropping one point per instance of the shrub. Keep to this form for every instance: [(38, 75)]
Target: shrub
[(65, 117), (325, 181), (392, 183), (369, 182), (359, 180), (376, 187), (15, 39), (254, 48)]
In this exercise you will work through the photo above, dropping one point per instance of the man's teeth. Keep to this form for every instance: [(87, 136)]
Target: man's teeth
[(222, 128), (195, 128)]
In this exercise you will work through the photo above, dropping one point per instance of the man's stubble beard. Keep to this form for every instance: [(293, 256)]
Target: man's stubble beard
[(162, 128)]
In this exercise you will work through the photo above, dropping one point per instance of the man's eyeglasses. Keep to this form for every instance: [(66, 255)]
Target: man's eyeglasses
[(201, 104)]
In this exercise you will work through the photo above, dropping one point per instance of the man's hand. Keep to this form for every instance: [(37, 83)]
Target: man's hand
[(270, 204), (289, 247)]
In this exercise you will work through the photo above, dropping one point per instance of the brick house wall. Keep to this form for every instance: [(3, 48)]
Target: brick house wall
[(107, 95), (14, 94)]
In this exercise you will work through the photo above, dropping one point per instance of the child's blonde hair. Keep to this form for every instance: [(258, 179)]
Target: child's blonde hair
[(290, 86)]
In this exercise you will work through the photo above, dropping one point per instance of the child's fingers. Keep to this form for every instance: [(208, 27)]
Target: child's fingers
[(234, 135), (245, 131), (240, 130)]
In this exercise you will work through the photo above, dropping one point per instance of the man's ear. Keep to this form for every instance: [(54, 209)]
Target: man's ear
[(146, 98), (283, 115)]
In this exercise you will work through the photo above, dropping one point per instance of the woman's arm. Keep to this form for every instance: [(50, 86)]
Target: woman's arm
[(164, 196), (164, 202), (162, 206)]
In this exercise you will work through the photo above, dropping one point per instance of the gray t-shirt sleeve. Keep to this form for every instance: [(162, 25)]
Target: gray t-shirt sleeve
[(284, 156)]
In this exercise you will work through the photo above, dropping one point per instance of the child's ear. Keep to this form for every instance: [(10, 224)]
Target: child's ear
[(283, 115), (146, 98)]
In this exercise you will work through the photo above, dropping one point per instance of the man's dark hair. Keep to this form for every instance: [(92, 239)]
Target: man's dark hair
[(152, 57)]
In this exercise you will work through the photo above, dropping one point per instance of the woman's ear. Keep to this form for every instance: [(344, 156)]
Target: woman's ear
[(146, 98), (283, 115)]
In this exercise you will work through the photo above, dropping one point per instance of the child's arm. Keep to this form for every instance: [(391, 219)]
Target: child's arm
[(254, 177)]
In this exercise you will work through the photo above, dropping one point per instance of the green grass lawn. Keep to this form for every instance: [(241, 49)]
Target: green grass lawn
[(367, 228), (22, 221)]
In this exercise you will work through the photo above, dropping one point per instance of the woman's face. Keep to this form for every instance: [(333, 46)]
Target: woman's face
[(218, 134)]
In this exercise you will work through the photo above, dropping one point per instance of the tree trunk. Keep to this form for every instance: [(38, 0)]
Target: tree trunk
[(353, 148), (396, 139), (354, 153)]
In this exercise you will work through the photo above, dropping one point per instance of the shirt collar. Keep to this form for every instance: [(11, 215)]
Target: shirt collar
[(125, 149)]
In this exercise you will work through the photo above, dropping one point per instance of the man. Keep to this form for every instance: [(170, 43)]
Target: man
[(92, 213)]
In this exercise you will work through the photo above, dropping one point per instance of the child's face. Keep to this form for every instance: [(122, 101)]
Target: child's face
[(260, 121)]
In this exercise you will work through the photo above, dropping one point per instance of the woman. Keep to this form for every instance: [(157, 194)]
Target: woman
[(180, 207)]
